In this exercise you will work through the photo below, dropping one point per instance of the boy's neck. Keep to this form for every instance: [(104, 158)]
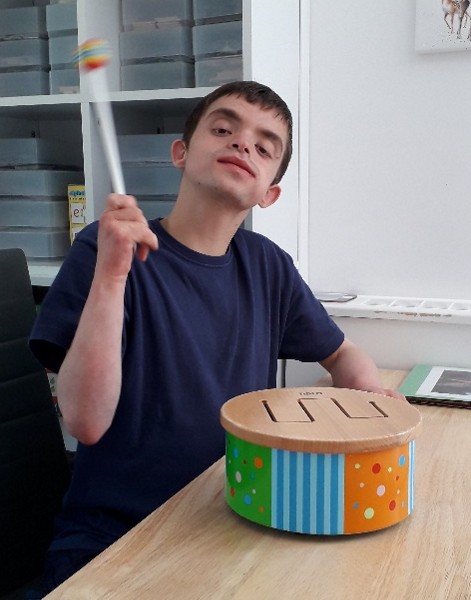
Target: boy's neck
[(204, 231)]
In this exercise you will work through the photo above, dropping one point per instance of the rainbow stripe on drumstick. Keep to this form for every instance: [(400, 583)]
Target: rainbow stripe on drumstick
[(91, 57)]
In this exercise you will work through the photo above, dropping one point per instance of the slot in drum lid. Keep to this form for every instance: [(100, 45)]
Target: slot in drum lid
[(323, 460)]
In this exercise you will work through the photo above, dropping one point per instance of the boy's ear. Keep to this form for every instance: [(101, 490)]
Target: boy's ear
[(271, 196), (178, 152)]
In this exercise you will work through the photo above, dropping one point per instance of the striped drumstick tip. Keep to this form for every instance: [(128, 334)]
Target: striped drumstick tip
[(92, 54)]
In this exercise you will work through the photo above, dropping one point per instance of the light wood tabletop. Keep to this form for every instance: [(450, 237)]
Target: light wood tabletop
[(194, 547)]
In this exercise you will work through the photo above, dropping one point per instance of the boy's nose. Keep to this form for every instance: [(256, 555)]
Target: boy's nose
[(241, 146)]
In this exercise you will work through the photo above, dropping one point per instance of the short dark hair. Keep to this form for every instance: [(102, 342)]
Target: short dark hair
[(255, 93)]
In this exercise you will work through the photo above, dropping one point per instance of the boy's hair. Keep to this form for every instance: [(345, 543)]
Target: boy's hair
[(255, 93)]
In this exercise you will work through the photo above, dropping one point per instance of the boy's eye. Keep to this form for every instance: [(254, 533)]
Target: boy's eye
[(263, 151), (220, 130)]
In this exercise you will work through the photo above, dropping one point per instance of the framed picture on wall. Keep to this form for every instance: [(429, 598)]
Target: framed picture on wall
[(443, 25)]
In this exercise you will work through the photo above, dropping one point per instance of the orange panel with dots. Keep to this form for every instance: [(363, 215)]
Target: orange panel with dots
[(376, 489)]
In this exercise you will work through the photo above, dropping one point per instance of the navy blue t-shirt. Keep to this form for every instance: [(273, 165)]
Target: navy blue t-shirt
[(198, 330)]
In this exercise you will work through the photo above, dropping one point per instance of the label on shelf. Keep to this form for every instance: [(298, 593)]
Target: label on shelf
[(77, 209)]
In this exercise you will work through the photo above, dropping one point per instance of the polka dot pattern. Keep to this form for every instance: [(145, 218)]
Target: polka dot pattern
[(374, 482), (248, 473)]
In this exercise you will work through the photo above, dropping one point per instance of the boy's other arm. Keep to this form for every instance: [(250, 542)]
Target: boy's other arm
[(350, 367)]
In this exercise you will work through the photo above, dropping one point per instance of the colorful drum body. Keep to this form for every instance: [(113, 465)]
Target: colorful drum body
[(323, 461)]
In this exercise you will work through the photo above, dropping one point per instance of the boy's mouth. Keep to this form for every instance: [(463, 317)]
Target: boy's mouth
[(233, 160)]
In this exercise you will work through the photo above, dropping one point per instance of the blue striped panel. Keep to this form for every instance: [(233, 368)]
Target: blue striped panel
[(308, 492), (327, 491), (337, 496), (411, 477), (277, 478), (286, 490), (313, 508), (274, 488), (300, 491), (293, 491), (319, 488), (305, 528), (340, 502)]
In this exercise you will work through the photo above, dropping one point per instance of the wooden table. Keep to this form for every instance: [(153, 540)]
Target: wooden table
[(194, 547)]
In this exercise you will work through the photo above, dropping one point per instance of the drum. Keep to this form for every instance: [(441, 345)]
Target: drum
[(325, 461)]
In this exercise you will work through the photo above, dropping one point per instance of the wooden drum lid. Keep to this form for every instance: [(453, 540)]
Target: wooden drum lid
[(321, 460)]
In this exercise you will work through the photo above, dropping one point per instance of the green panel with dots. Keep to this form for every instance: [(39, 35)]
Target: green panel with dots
[(248, 479)]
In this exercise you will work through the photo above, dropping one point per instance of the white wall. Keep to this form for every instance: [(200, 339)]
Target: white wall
[(390, 156)]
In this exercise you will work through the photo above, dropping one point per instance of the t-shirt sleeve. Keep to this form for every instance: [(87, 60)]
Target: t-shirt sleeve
[(59, 314), (310, 334)]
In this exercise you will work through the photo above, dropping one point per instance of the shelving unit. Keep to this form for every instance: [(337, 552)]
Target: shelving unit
[(270, 55)]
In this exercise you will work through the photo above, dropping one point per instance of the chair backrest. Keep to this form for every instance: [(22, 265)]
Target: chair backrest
[(34, 471)]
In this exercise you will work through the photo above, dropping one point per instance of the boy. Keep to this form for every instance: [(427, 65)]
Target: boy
[(152, 326)]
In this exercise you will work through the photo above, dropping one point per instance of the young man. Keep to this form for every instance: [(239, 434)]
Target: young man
[(152, 326)]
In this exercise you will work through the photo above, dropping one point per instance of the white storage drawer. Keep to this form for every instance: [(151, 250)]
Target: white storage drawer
[(158, 75), (206, 10), (14, 3), (217, 70), (38, 152), (24, 83), (23, 21), (21, 53), (147, 148), (64, 81), (157, 180), (37, 182), (37, 243), (61, 50), (31, 212), (61, 18), (170, 41), (218, 38), (138, 14)]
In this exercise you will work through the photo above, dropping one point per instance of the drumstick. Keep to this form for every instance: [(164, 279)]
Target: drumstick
[(91, 57)]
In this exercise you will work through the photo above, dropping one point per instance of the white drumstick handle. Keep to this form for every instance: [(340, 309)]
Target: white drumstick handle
[(106, 128), (110, 145)]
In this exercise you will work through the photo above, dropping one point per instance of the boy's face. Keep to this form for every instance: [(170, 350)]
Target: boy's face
[(235, 153)]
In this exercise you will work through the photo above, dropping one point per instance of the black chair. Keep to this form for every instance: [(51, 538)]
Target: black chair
[(34, 469)]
